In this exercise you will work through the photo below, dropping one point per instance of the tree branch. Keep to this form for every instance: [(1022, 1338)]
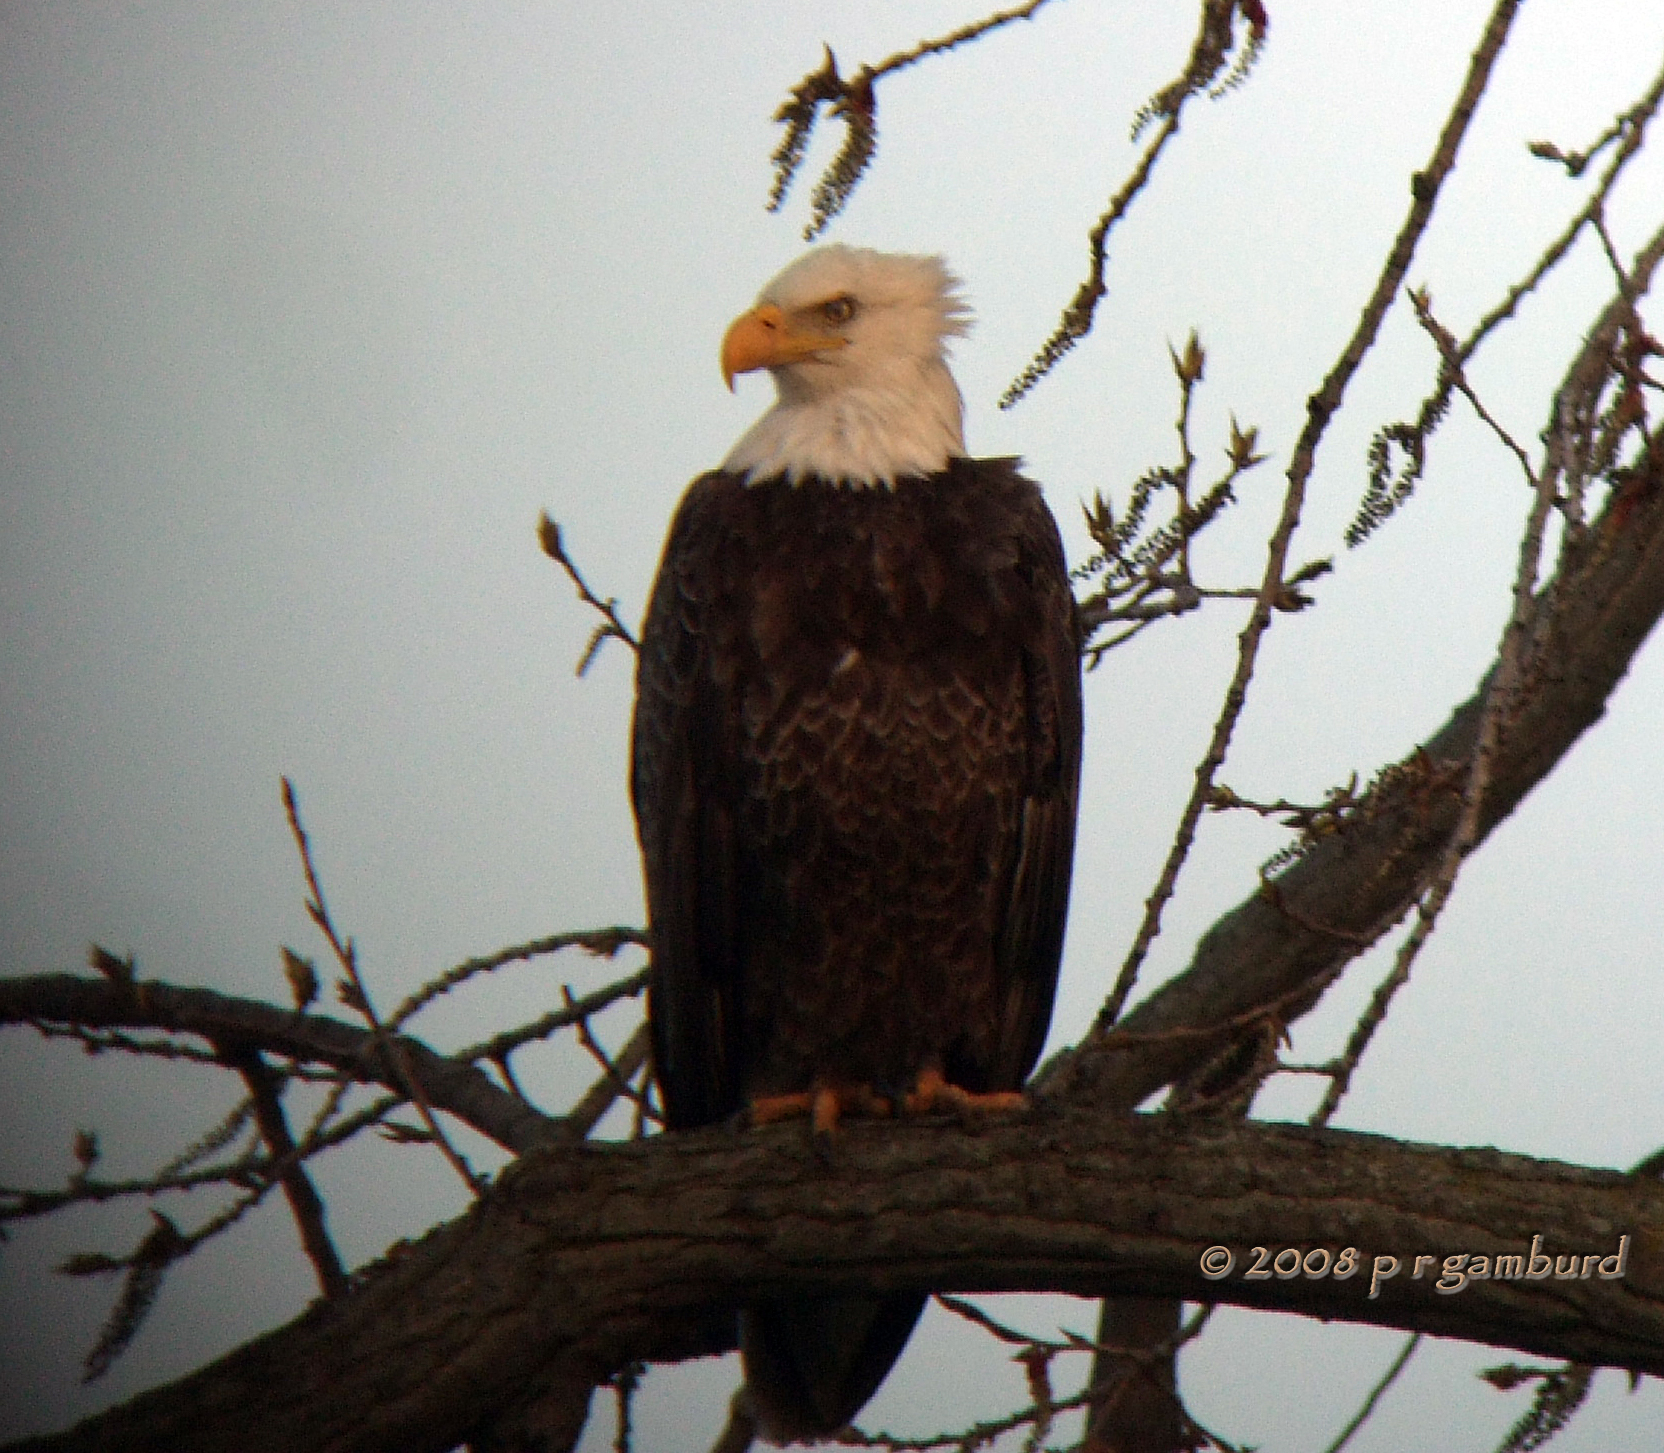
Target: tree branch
[(452, 1085), (1275, 953), (1321, 407), (584, 1259), (265, 1088), (356, 993)]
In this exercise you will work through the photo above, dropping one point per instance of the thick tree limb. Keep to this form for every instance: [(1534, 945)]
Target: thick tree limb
[(586, 1258)]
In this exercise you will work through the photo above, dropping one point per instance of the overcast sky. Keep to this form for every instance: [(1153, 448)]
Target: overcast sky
[(306, 311)]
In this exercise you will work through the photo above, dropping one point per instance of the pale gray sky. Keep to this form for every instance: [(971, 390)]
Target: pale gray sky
[(308, 310)]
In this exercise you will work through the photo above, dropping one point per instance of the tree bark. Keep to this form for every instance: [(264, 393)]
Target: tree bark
[(583, 1259)]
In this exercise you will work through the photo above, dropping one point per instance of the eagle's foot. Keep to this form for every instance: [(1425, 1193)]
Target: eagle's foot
[(825, 1105), (766, 1109), (933, 1092)]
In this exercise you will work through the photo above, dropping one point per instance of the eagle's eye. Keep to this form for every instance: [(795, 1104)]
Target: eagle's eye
[(839, 310)]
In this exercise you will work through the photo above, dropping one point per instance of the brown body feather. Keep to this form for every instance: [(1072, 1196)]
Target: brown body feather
[(855, 763)]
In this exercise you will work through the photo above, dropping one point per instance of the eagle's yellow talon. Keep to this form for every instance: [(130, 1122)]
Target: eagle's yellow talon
[(766, 1109), (825, 1106), (931, 1091)]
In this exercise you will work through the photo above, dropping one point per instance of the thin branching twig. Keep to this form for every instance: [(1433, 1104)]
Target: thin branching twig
[(612, 627), (1321, 408), (357, 995), (854, 101), (616, 1073), (602, 942), (1209, 55), (1376, 1393), (1144, 574), (1386, 490), (617, 1081), (564, 1018)]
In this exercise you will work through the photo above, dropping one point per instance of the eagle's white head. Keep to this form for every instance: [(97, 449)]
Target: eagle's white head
[(856, 341)]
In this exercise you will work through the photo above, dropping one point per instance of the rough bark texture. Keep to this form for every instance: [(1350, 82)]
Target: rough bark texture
[(585, 1258)]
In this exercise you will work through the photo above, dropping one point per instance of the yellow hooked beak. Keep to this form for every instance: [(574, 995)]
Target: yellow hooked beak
[(765, 338)]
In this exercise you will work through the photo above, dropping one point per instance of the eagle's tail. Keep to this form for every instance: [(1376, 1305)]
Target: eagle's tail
[(812, 1363)]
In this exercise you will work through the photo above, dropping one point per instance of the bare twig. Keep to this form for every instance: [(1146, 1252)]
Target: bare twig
[(1450, 354), (979, 1318), (978, 1435), (618, 1076), (985, 1434), (1310, 819), (359, 996), (1208, 56), (541, 1028), (216, 1139), (955, 38), (612, 627), (1320, 409), (505, 1067), (584, 1116), (602, 942), (1376, 1393), (18, 1203), (1076, 321), (100, 1041), (1383, 497)]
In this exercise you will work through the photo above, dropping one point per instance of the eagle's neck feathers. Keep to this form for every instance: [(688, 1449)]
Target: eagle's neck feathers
[(874, 433)]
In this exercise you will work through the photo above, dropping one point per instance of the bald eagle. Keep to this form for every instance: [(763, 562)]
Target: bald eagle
[(855, 760)]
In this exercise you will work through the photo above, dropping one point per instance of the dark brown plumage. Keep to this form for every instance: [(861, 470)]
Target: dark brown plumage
[(855, 761)]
